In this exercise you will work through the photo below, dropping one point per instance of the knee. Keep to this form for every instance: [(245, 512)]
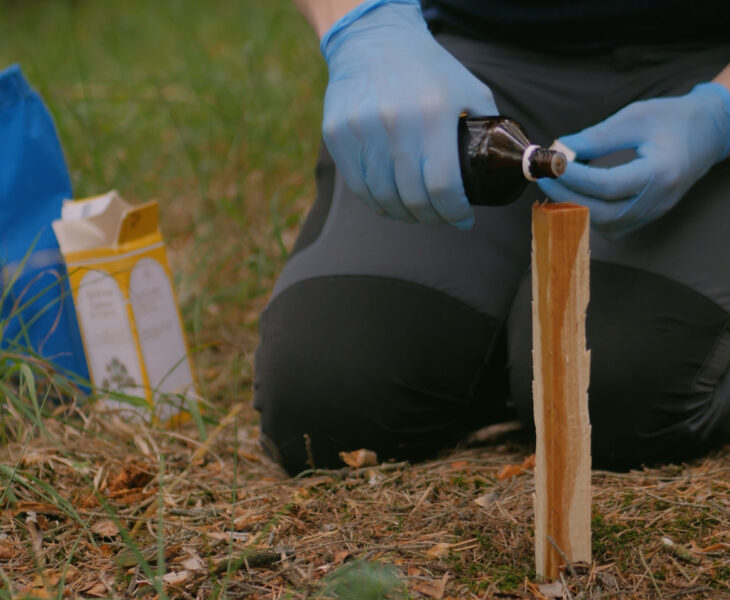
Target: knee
[(301, 388), (656, 367), (347, 363)]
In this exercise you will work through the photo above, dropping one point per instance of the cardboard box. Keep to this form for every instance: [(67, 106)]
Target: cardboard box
[(126, 307)]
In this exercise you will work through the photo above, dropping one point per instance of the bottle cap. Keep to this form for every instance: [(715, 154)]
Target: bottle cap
[(526, 157)]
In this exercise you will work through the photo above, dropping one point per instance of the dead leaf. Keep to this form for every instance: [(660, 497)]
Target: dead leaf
[(6, 552), (552, 590), (133, 475), (432, 589), (340, 556), (105, 528), (194, 563), (438, 550), (176, 577), (487, 499), (72, 574), (509, 471), (359, 458), (97, 589), (38, 593)]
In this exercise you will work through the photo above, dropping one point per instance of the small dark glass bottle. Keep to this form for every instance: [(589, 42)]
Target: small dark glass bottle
[(498, 161)]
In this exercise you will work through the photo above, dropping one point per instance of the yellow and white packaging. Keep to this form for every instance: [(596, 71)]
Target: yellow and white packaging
[(126, 307)]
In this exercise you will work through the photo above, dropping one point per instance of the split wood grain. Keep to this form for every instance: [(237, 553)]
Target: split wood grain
[(561, 371)]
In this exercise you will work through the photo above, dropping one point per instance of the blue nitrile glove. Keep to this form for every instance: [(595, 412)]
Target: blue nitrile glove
[(392, 109), (676, 140)]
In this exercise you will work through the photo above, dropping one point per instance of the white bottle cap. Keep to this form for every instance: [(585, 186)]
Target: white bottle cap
[(526, 162)]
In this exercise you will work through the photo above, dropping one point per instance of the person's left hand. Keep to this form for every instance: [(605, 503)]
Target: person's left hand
[(676, 140)]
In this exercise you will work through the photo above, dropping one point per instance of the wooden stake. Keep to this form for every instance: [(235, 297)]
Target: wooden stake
[(561, 366)]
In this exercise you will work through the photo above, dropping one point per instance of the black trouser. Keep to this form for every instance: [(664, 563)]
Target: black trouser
[(400, 338)]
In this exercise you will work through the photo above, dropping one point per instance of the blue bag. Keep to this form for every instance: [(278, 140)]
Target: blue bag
[(37, 316)]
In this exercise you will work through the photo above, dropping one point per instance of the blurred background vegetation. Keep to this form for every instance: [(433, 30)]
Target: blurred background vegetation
[(212, 108)]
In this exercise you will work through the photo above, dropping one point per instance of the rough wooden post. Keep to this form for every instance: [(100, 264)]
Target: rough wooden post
[(561, 366)]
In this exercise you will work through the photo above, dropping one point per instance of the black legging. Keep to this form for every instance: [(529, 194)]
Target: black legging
[(400, 338)]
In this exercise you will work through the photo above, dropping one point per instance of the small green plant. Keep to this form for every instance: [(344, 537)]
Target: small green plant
[(362, 580)]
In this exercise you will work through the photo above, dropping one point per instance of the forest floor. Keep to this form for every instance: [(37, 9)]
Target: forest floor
[(96, 507), (214, 112)]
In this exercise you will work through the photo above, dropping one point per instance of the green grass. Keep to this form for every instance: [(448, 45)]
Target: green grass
[(149, 93), (211, 108)]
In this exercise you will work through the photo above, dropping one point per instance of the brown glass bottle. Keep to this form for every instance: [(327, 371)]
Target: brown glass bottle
[(498, 161)]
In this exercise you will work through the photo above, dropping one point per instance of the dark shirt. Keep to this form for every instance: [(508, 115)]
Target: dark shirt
[(582, 25)]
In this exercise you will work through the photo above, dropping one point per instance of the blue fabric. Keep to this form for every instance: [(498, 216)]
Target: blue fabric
[(37, 313)]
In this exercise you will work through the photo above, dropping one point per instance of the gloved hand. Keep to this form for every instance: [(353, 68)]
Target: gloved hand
[(391, 113), (676, 140)]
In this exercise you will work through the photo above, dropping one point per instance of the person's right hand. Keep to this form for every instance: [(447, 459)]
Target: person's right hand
[(391, 113)]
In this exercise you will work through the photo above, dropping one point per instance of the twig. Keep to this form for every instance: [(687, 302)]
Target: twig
[(421, 500), (563, 556), (197, 455), (345, 471), (308, 448), (677, 502), (694, 590), (565, 586), (651, 575), (253, 558), (681, 569)]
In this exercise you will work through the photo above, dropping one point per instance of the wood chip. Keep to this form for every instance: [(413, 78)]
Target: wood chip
[(359, 458), (438, 550), (510, 471)]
